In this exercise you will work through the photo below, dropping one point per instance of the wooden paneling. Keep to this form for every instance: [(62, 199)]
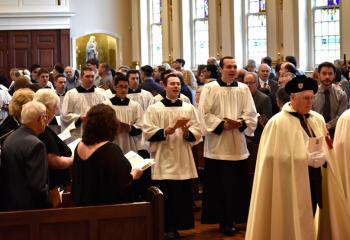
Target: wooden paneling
[(64, 46), (45, 47), (21, 49), (19, 43), (3, 53)]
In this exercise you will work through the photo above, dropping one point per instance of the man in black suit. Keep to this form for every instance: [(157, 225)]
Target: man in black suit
[(268, 86), (148, 82), (23, 171)]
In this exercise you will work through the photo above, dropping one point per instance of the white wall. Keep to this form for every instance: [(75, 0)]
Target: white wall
[(104, 16)]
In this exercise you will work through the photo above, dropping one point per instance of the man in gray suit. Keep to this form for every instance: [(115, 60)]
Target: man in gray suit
[(262, 103), (23, 171), (268, 86)]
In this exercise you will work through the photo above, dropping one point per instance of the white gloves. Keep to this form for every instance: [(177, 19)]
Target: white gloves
[(316, 159)]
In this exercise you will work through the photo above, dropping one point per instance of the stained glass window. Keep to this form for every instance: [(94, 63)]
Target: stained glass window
[(156, 48), (256, 23), (201, 35), (326, 31)]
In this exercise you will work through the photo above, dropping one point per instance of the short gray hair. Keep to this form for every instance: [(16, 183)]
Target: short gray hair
[(255, 76), (47, 97), (31, 111)]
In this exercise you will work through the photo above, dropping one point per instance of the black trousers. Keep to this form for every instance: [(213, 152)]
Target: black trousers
[(226, 192)]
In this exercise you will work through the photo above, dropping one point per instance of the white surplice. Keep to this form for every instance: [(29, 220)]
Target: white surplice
[(131, 114), (144, 98), (173, 156), (216, 103)]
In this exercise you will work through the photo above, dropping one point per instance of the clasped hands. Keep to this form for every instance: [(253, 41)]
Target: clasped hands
[(230, 124), (316, 159), (171, 130)]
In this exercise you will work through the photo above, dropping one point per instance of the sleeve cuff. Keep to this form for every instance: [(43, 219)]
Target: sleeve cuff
[(218, 130)]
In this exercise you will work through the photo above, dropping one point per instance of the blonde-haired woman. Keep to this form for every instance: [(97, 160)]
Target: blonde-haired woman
[(13, 120), (58, 153)]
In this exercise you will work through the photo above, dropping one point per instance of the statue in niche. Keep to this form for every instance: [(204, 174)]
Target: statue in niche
[(91, 49)]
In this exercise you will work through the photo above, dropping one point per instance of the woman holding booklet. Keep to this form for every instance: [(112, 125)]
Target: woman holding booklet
[(59, 155), (101, 173)]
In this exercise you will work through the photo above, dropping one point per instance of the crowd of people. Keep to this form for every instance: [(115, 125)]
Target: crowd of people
[(275, 116)]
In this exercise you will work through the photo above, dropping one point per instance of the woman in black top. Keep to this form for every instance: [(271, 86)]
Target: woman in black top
[(101, 173), (58, 153)]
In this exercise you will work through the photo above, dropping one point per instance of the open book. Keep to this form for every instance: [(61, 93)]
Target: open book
[(74, 144), (181, 122), (137, 161)]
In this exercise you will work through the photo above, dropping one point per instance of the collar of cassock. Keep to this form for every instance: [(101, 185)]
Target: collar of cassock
[(80, 89), (163, 94), (138, 90), (300, 116), (170, 103), (224, 84), (120, 102)]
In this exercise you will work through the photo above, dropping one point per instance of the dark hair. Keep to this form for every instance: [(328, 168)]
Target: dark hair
[(291, 68), (161, 68), (278, 67), (327, 65), (106, 66), (59, 68), (165, 80), (214, 71), (58, 76), (118, 78), (132, 71), (267, 60), (292, 59), (221, 64), (166, 72), (282, 95), (83, 69), (34, 66), (148, 70), (92, 61), (113, 72), (181, 61), (101, 124), (338, 75), (42, 71)]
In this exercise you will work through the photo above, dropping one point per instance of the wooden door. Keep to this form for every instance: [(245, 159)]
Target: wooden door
[(3, 54), (45, 48), (19, 45)]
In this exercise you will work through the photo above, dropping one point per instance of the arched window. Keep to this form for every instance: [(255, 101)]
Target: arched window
[(256, 29), (326, 33), (156, 52), (200, 33)]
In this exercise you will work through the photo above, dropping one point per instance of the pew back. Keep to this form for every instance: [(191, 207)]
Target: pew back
[(141, 220)]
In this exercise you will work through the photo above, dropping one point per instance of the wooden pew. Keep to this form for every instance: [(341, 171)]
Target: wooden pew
[(139, 220)]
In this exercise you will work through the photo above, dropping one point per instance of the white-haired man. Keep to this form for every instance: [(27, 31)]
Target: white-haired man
[(23, 171)]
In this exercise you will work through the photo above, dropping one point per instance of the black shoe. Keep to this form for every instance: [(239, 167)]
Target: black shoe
[(227, 230)]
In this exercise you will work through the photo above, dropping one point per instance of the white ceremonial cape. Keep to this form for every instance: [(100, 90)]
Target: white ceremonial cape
[(144, 98), (173, 156), (131, 114), (334, 218), (217, 103), (280, 206), (342, 150)]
